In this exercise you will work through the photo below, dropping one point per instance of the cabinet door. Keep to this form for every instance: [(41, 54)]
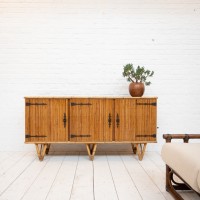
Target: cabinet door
[(125, 119), (146, 125), (109, 120), (44, 120), (59, 120), (37, 120), (86, 120)]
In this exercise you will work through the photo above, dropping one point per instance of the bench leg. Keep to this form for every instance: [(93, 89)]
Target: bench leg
[(172, 186)]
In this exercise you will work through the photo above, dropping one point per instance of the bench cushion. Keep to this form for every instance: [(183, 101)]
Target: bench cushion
[(184, 159), (198, 180)]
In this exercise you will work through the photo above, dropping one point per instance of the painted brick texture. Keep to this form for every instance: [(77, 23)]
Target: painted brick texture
[(79, 47)]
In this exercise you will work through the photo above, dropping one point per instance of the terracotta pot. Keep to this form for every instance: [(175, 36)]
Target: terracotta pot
[(136, 89)]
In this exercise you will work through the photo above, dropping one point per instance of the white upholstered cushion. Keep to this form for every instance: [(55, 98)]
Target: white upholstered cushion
[(198, 180), (184, 158)]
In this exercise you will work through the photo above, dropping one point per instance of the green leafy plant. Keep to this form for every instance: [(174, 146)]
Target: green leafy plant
[(137, 75)]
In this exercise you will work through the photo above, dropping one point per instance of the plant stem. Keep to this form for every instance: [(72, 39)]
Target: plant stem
[(131, 79)]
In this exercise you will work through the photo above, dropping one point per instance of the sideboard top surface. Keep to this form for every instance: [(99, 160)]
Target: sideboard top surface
[(89, 97)]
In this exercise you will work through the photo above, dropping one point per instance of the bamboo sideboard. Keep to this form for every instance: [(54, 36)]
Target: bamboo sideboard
[(90, 120)]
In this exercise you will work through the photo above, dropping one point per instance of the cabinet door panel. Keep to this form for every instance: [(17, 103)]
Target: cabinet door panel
[(37, 120), (109, 120), (44, 120), (125, 119), (59, 120), (146, 119), (86, 120)]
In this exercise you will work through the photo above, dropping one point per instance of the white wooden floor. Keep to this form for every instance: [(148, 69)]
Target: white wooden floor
[(73, 176)]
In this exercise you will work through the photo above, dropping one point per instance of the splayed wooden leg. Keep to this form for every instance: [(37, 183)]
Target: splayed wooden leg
[(141, 150), (91, 149), (41, 149)]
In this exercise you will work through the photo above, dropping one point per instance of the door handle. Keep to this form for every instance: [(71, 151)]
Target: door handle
[(64, 120), (109, 120), (117, 120)]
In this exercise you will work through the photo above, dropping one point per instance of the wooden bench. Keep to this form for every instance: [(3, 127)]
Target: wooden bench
[(183, 160)]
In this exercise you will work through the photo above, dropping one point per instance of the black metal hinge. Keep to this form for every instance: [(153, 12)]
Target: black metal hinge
[(151, 104), (37, 136), (73, 135), (153, 135), (36, 104), (80, 104)]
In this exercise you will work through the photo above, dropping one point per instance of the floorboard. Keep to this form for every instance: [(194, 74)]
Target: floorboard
[(4, 156), (41, 186), (62, 186), (15, 172), (83, 182), (10, 161), (18, 188), (104, 186), (125, 186), (156, 175), (143, 182)]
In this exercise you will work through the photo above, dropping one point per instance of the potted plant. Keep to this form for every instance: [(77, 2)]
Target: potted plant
[(138, 78)]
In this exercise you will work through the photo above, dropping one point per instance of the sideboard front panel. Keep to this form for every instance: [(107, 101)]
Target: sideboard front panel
[(91, 119)]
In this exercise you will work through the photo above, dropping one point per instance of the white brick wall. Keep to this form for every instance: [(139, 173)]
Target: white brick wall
[(79, 47)]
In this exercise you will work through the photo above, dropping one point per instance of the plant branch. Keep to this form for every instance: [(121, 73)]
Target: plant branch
[(137, 75)]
